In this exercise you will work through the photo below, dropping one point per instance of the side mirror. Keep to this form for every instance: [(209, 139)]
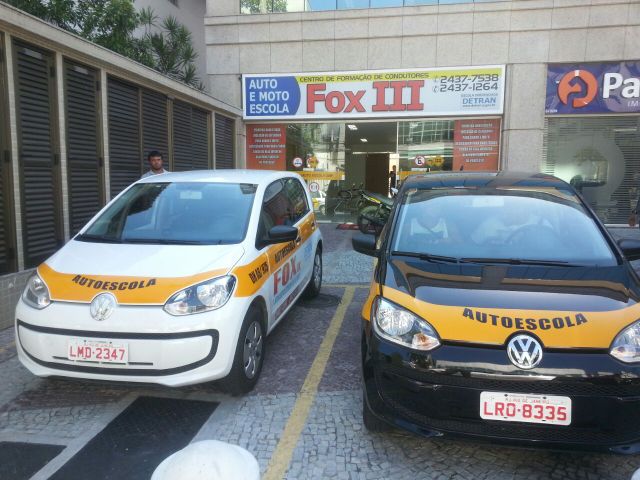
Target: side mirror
[(281, 234), (630, 248), (365, 244)]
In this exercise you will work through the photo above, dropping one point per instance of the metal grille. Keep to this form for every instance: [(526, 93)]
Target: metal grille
[(190, 137), (224, 141), (42, 232), (154, 125), (125, 161), (85, 187)]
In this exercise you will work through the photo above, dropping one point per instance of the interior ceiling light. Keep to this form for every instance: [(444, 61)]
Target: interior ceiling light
[(364, 140), (352, 127)]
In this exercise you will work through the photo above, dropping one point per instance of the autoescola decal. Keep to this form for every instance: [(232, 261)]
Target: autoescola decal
[(282, 278), (105, 285), (522, 323)]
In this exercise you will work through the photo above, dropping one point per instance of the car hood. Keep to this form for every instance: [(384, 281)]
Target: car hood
[(135, 274), (563, 306)]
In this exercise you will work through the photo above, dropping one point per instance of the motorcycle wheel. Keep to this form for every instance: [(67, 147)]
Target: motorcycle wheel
[(365, 224)]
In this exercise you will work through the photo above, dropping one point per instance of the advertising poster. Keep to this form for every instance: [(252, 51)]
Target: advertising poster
[(374, 93), (593, 88), (476, 144), (267, 147)]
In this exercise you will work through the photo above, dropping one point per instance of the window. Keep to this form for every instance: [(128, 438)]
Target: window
[(285, 203)]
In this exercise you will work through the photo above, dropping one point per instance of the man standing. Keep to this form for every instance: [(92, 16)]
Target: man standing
[(393, 183), (155, 163)]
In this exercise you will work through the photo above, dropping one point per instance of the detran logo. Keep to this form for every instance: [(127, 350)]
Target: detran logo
[(578, 82)]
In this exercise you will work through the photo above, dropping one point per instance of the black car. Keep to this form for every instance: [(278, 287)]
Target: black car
[(502, 309)]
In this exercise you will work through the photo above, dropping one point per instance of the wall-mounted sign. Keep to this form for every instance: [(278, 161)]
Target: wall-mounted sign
[(419, 160), (593, 88), (266, 147), (476, 144), (375, 93)]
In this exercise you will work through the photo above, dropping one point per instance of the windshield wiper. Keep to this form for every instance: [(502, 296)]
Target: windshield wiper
[(86, 237), (427, 257), (161, 241), (519, 261)]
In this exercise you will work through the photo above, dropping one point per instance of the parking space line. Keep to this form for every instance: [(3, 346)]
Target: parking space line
[(7, 347), (277, 468)]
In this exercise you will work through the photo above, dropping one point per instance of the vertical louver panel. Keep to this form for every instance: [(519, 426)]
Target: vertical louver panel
[(41, 225), (4, 218), (154, 125), (125, 160), (182, 150), (200, 138), (85, 186), (224, 141)]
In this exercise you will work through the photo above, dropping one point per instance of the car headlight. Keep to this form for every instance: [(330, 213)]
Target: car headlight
[(626, 346), (202, 297), (36, 293), (398, 325)]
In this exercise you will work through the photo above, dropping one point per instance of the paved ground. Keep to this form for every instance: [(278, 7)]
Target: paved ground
[(303, 420)]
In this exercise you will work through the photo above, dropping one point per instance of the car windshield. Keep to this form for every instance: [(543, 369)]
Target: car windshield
[(176, 213), (502, 226)]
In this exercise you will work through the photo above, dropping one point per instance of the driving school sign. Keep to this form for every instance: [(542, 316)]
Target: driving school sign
[(375, 93)]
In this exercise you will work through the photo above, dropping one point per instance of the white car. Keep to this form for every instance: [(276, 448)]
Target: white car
[(176, 281)]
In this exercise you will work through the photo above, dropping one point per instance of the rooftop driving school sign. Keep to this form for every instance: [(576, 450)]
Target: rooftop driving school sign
[(375, 93), (593, 88)]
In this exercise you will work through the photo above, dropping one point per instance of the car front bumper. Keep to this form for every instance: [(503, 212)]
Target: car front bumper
[(163, 349), (438, 393)]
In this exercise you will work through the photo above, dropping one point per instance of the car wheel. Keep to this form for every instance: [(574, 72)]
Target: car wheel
[(315, 282), (371, 422), (249, 356)]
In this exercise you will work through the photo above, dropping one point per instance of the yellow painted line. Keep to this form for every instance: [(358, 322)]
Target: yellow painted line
[(4, 349), (281, 458)]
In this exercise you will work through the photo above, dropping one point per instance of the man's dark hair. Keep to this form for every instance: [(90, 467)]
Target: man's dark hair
[(153, 153)]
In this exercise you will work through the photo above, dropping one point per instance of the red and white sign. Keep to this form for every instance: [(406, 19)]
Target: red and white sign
[(297, 162), (419, 160), (266, 147), (314, 187), (445, 91), (518, 407), (97, 351), (476, 144)]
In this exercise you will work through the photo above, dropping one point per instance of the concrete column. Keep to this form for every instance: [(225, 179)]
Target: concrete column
[(62, 140), (13, 145), (104, 110)]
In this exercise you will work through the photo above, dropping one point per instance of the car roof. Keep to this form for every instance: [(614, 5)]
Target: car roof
[(500, 179), (221, 176)]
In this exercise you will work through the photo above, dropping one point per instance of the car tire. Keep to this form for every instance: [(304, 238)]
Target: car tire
[(249, 355), (371, 422), (315, 282)]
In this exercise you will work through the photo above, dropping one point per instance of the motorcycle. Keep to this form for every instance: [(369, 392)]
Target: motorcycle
[(374, 216)]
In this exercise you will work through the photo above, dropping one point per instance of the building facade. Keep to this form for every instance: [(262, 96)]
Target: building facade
[(583, 127), (76, 124)]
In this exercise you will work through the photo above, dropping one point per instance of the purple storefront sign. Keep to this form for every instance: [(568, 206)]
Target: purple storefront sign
[(593, 88)]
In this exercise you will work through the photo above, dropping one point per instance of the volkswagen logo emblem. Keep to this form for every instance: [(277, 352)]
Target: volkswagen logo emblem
[(102, 306), (524, 351)]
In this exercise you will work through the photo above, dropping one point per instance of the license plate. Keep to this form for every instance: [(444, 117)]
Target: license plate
[(103, 351), (517, 407)]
